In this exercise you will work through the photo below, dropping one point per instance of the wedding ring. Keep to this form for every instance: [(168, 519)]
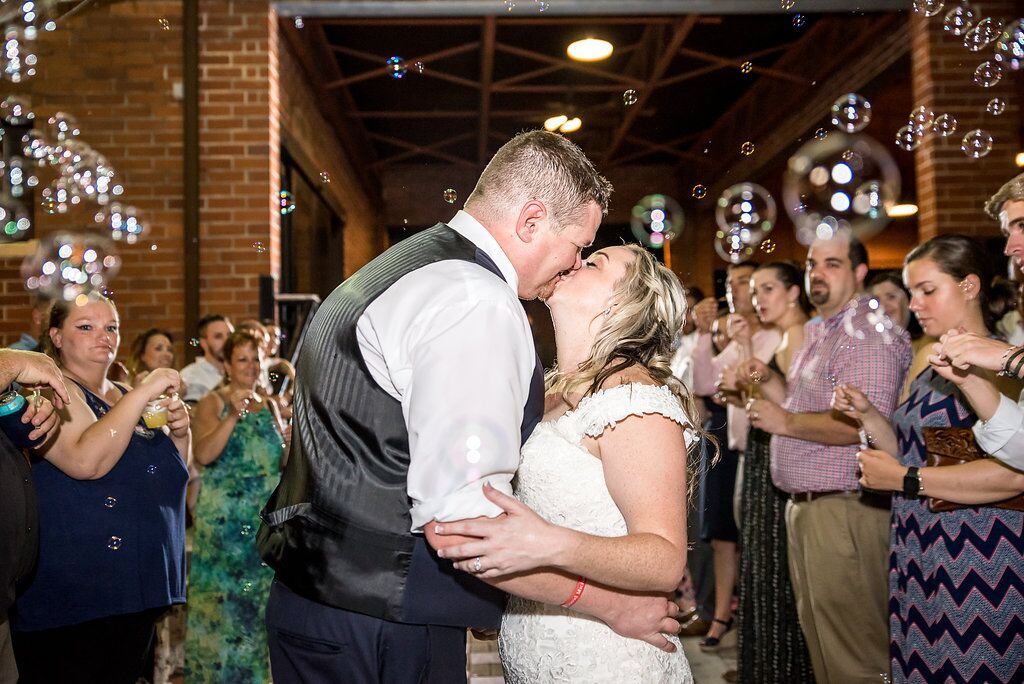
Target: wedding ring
[(476, 564)]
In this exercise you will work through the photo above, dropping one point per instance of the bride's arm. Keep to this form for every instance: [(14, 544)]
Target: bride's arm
[(644, 459)]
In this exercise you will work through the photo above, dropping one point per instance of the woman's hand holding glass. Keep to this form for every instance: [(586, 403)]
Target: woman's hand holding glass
[(518, 541), (879, 470)]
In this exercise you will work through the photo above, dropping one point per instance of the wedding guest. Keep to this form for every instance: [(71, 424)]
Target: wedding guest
[(152, 349), (206, 371), (29, 341), (111, 495), (241, 442), (955, 577), (837, 536), (771, 647), (888, 288)]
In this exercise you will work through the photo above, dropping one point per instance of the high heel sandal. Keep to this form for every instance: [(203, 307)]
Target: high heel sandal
[(710, 643)]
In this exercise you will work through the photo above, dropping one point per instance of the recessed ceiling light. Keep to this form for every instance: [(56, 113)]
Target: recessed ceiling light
[(1019, 159), (589, 50), (901, 210)]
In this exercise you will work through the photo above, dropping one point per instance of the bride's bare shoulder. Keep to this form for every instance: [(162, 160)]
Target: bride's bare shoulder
[(633, 374)]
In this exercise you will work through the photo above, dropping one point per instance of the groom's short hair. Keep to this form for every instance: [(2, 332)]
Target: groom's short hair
[(544, 166)]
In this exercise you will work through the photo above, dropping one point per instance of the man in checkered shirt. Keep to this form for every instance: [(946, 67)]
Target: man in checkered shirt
[(838, 536)]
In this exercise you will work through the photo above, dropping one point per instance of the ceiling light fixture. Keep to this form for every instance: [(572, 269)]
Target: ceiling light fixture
[(571, 126), (901, 210), (1019, 160), (589, 50), (555, 122)]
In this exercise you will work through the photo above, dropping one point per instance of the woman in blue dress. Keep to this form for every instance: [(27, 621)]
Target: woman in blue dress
[(955, 578), (111, 513), (241, 442)]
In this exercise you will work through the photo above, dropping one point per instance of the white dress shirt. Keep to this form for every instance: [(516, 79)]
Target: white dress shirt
[(682, 359), (452, 343), (1002, 435), (200, 377)]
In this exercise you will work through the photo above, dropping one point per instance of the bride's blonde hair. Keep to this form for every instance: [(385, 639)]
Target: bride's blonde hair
[(647, 310)]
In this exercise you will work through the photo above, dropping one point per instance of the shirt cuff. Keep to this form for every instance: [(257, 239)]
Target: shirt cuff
[(468, 502), (996, 432)]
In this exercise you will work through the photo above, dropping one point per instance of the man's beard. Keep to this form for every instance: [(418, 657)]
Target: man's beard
[(822, 295)]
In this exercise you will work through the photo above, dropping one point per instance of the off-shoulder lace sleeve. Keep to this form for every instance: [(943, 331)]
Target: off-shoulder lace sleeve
[(603, 410)]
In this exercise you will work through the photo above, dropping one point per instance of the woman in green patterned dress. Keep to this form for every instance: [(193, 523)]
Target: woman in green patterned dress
[(241, 441)]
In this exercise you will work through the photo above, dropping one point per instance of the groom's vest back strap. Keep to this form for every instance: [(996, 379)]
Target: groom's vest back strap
[(336, 529)]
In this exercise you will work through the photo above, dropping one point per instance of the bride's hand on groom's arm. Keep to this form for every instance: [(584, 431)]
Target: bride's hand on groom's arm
[(518, 541)]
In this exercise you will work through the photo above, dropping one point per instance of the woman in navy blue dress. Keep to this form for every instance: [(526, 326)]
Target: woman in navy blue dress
[(111, 513), (955, 578)]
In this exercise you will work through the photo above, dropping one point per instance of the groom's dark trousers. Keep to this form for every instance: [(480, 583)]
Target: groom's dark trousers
[(311, 643)]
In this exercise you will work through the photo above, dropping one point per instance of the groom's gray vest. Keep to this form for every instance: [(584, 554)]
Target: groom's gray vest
[(336, 530)]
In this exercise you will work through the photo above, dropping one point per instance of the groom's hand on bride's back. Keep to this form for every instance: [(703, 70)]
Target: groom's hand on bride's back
[(645, 617)]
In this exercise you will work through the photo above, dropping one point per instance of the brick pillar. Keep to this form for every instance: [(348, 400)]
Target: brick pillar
[(951, 187), (239, 153)]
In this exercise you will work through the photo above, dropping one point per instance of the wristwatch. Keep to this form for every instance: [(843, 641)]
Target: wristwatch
[(912, 482)]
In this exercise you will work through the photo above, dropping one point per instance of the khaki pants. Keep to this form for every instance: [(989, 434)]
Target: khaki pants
[(838, 563), (8, 668)]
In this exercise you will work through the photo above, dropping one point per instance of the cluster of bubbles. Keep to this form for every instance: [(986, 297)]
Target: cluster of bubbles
[(655, 219), (923, 122), (964, 21), (745, 214), (71, 265), (846, 182)]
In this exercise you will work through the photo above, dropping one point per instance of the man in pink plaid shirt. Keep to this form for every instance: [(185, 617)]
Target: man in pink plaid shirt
[(838, 536)]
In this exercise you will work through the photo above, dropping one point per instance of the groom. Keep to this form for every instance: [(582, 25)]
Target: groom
[(417, 383)]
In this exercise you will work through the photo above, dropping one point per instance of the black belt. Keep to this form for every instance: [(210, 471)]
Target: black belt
[(866, 496)]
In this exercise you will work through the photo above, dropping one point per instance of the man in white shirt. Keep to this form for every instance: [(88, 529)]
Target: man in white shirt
[(206, 372), (1000, 427), (417, 383)]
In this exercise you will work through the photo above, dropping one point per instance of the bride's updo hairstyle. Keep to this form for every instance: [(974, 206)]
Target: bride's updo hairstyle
[(648, 309)]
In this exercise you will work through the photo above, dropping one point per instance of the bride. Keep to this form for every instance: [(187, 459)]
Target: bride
[(602, 485)]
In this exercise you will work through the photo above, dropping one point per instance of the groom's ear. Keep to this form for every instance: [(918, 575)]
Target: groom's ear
[(530, 219)]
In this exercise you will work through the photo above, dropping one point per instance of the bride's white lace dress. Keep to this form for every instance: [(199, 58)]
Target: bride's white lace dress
[(564, 483)]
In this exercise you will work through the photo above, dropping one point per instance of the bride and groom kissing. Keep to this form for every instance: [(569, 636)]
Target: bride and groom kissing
[(419, 403)]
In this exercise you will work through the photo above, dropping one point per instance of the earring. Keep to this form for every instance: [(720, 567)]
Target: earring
[(792, 305), (608, 311)]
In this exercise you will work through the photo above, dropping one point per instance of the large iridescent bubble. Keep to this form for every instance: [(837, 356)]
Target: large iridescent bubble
[(68, 265), (845, 182), (656, 218)]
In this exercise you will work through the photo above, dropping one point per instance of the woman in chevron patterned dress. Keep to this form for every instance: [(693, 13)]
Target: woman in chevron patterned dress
[(956, 581)]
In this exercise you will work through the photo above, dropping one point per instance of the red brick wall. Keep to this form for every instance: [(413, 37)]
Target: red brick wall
[(115, 67), (952, 188)]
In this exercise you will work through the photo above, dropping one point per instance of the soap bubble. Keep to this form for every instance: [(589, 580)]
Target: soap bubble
[(114, 543), (630, 97), (747, 149), (325, 177), (768, 246), (510, 5), (787, 4), (996, 106), (420, 67), (976, 144), (944, 125), (15, 110), (285, 202), (299, 22), (928, 8), (450, 196), (110, 502), (746, 67), (62, 127), (843, 183), (35, 146), (988, 74), (960, 19), (259, 247), (851, 113), (820, 133), (396, 67), (123, 223), (745, 214), (15, 221), (921, 117), (909, 137), (983, 33), (799, 21), (67, 265), (1010, 45), (865, 321), (656, 218), (699, 191)]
